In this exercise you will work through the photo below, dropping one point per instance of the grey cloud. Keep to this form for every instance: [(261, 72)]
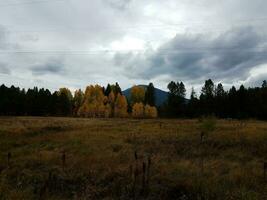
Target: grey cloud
[(4, 69), (255, 81), (118, 4), (94, 25), (226, 57), (4, 42), (51, 67)]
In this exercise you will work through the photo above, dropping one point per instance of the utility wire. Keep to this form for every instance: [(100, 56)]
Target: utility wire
[(140, 26), (159, 51)]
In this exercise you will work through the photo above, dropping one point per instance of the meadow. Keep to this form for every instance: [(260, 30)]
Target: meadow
[(74, 158)]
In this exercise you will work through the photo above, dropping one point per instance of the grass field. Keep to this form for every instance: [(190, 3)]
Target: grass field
[(69, 158)]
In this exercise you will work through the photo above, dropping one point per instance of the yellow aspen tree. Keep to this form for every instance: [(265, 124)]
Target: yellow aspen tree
[(120, 106), (93, 105), (108, 111), (111, 97), (154, 112), (111, 101), (138, 110), (137, 95), (150, 111)]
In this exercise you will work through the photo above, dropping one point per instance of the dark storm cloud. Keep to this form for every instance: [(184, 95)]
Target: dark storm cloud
[(51, 67), (228, 56)]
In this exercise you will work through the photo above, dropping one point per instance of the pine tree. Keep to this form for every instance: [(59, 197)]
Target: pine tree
[(108, 90), (150, 95), (264, 84), (208, 89)]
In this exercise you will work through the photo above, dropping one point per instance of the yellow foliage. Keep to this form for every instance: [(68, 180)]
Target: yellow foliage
[(137, 94), (77, 101), (93, 105), (121, 106), (151, 111), (108, 111), (138, 110), (111, 98)]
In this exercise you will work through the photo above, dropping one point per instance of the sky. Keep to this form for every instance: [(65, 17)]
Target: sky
[(74, 43)]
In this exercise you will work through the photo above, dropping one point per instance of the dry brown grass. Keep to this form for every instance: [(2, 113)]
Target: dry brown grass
[(100, 159)]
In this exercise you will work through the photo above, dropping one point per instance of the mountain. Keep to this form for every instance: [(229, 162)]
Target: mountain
[(160, 95)]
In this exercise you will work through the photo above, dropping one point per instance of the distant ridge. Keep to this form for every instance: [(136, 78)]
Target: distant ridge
[(160, 95)]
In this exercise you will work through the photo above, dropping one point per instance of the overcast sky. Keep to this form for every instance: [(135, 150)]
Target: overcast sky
[(73, 43)]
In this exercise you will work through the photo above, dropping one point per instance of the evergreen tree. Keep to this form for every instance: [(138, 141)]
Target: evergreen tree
[(65, 102), (108, 90), (181, 92), (220, 96), (219, 91), (264, 84), (117, 89), (176, 99), (150, 95), (208, 89), (207, 103)]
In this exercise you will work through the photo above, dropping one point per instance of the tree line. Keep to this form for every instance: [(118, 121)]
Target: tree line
[(98, 101), (95, 101), (214, 100)]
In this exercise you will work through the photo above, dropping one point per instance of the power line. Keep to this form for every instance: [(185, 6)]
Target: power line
[(141, 26), (190, 50), (236, 21)]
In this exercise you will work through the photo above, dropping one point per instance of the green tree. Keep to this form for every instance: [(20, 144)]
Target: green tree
[(208, 89), (192, 106), (219, 91), (264, 84), (176, 98), (117, 89), (172, 88), (65, 101), (150, 95), (108, 90), (181, 92)]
